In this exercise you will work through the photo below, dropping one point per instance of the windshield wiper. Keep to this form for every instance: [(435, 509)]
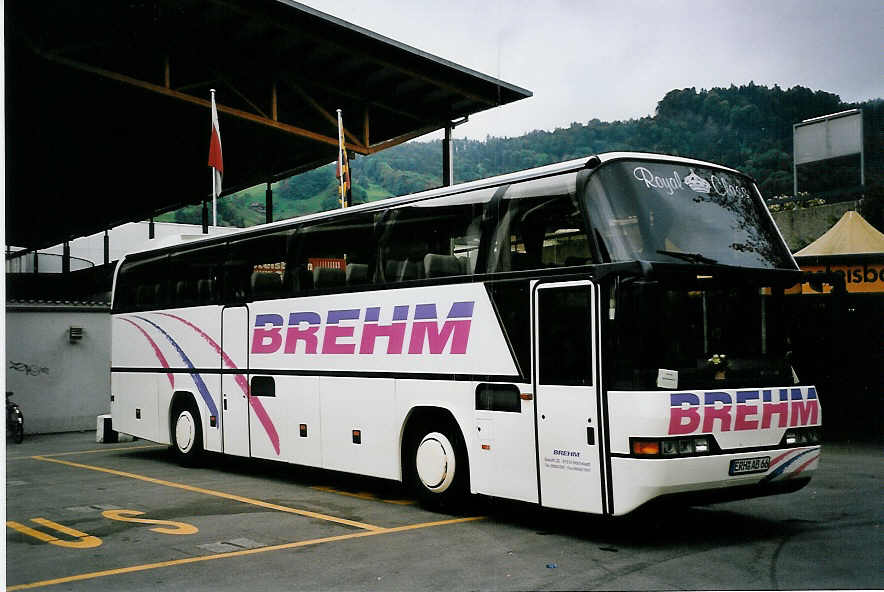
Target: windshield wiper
[(692, 257)]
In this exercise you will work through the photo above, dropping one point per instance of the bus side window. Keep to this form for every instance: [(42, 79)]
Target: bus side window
[(539, 226), (433, 239), (137, 283), (235, 278), (193, 276), (333, 255), (255, 268)]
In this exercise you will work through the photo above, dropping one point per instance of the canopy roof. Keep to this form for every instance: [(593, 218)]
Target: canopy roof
[(107, 103), (851, 235)]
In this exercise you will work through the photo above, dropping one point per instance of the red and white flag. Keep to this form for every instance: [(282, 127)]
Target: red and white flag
[(215, 159)]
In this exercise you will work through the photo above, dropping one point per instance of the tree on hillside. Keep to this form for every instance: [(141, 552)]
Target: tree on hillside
[(747, 127)]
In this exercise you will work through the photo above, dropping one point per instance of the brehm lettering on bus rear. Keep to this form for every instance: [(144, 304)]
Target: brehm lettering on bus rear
[(591, 336)]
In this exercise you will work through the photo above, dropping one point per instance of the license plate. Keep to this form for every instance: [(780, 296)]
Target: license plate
[(743, 466)]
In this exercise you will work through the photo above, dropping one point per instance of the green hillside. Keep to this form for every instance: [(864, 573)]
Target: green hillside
[(747, 127)]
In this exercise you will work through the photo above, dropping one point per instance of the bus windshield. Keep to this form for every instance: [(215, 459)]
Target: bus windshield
[(668, 212), (704, 332)]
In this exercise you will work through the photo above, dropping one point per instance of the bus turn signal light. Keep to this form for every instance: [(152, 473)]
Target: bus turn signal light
[(645, 447)]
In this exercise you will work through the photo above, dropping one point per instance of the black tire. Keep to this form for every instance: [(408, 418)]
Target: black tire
[(18, 432), (187, 434), (436, 466)]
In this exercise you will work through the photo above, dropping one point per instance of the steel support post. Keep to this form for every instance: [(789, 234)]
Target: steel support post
[(447, 160), (268, 204)]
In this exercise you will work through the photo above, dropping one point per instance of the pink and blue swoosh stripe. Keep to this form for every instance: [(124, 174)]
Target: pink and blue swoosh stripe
[(197, 378), (254, 402), (156, 350)]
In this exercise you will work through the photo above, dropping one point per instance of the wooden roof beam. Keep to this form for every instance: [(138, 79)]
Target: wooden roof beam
[(332, 119), (162, 90), (365, 100)]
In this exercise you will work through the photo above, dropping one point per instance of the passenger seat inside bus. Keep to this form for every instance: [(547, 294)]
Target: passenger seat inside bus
[(393, 270), (204, 291), (328, 277), (265, 285), (185, 292), (159, 291), (441, 265), (297, 278), (144, 295), (357, 274), (403, 271)]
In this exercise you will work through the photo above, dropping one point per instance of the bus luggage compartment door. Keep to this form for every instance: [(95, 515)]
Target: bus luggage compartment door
[(234, 401), (566, 387)]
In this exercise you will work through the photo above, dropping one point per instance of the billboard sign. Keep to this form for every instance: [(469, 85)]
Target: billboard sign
[(829, 136)]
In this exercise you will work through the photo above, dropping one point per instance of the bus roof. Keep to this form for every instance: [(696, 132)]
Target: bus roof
[(524, 175)]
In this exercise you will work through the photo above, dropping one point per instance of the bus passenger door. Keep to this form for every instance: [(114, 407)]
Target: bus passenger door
[(506, 458), (234, 381), (566, 389)]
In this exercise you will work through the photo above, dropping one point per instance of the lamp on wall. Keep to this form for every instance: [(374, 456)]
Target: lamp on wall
[(75, 334)]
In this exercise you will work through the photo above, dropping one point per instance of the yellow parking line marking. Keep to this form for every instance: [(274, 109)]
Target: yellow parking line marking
[(84, 541), (90, 451), (362, 495), (212, 492), (294, 545)]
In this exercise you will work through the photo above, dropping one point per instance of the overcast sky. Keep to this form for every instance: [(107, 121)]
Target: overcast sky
[(615, 59)]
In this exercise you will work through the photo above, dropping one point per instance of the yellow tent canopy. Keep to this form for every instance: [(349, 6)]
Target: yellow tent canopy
[(849, 236)]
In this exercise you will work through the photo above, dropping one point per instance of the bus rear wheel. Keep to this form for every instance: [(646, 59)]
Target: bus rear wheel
[(187, 434), (437, 468)]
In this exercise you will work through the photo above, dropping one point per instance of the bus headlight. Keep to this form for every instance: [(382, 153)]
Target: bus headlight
[(801, 436), (671, 447)]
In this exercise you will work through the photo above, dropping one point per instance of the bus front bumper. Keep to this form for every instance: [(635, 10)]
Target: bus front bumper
[(708, 479)]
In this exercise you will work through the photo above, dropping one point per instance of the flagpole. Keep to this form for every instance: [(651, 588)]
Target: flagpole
[(214, 205), (341, 156)]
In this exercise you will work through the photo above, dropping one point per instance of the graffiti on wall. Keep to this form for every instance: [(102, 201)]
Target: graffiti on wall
[(28, 369)]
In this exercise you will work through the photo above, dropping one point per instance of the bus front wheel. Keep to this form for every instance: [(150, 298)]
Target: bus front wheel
[(187, 434), (437, 468)]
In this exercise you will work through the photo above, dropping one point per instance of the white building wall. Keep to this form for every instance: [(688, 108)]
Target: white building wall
[(124, 239), (60, 386)]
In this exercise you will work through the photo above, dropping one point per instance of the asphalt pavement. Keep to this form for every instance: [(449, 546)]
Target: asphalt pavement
[(87, 516)]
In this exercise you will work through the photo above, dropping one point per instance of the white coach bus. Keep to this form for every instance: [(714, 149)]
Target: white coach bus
[(590, 335)]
